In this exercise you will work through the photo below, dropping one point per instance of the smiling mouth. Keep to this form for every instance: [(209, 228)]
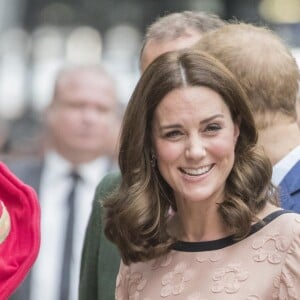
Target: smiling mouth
[(198, 171)]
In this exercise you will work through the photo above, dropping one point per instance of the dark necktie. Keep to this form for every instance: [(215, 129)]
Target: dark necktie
[(66, 267)]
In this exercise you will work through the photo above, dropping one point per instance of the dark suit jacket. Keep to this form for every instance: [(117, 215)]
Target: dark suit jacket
[(100, 258), (289, 189)]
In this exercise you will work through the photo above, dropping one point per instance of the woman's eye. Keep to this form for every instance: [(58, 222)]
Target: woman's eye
[(173, 134), (213, 127)]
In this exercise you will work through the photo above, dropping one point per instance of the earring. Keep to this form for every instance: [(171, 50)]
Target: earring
[(153, 160)]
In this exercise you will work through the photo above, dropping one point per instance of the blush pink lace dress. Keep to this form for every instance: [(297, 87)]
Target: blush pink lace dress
[(263, 266)]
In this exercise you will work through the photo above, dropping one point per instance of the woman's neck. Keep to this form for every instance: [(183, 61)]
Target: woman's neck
[(200, 225)]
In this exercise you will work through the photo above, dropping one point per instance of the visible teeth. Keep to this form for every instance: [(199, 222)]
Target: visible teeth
[(198, 171)]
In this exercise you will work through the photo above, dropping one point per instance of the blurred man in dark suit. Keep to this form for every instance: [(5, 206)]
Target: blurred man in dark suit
[(80, 122)]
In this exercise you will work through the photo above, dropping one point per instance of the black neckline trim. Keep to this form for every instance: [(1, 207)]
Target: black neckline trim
[(227, 241)]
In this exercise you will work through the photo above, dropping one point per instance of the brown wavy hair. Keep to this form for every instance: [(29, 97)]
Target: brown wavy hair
[(136, 214)]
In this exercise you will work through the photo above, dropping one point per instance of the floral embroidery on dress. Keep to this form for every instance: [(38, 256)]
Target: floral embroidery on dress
[(163, 261), (270, 248), (212, 256), (229, 279), (174, 282), (284, 287), (136, 284)]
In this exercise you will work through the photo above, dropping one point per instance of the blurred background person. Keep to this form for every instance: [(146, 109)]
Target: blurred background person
[(100, 258), (269, 74), (80, 128)]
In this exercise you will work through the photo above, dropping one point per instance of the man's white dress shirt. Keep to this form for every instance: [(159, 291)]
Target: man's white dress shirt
[(54, 189), (281, 168)]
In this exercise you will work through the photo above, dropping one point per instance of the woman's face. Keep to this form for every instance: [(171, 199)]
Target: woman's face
[(194, 139)]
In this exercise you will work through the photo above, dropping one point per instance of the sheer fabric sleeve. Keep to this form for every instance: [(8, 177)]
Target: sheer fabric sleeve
[(287, 285)]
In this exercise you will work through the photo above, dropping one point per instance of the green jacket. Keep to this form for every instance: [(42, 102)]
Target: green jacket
[(100, 258)]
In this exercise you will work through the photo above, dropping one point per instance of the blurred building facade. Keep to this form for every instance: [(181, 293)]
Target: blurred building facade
[(38, 36)]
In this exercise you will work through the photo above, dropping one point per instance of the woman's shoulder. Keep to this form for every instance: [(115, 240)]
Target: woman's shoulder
[(279, 222), (273, 214), (289, 220)]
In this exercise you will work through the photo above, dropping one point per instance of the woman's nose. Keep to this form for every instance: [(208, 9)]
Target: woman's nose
[(195, 148)]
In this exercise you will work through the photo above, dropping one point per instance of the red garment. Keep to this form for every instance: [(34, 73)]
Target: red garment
[(19, 231)]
